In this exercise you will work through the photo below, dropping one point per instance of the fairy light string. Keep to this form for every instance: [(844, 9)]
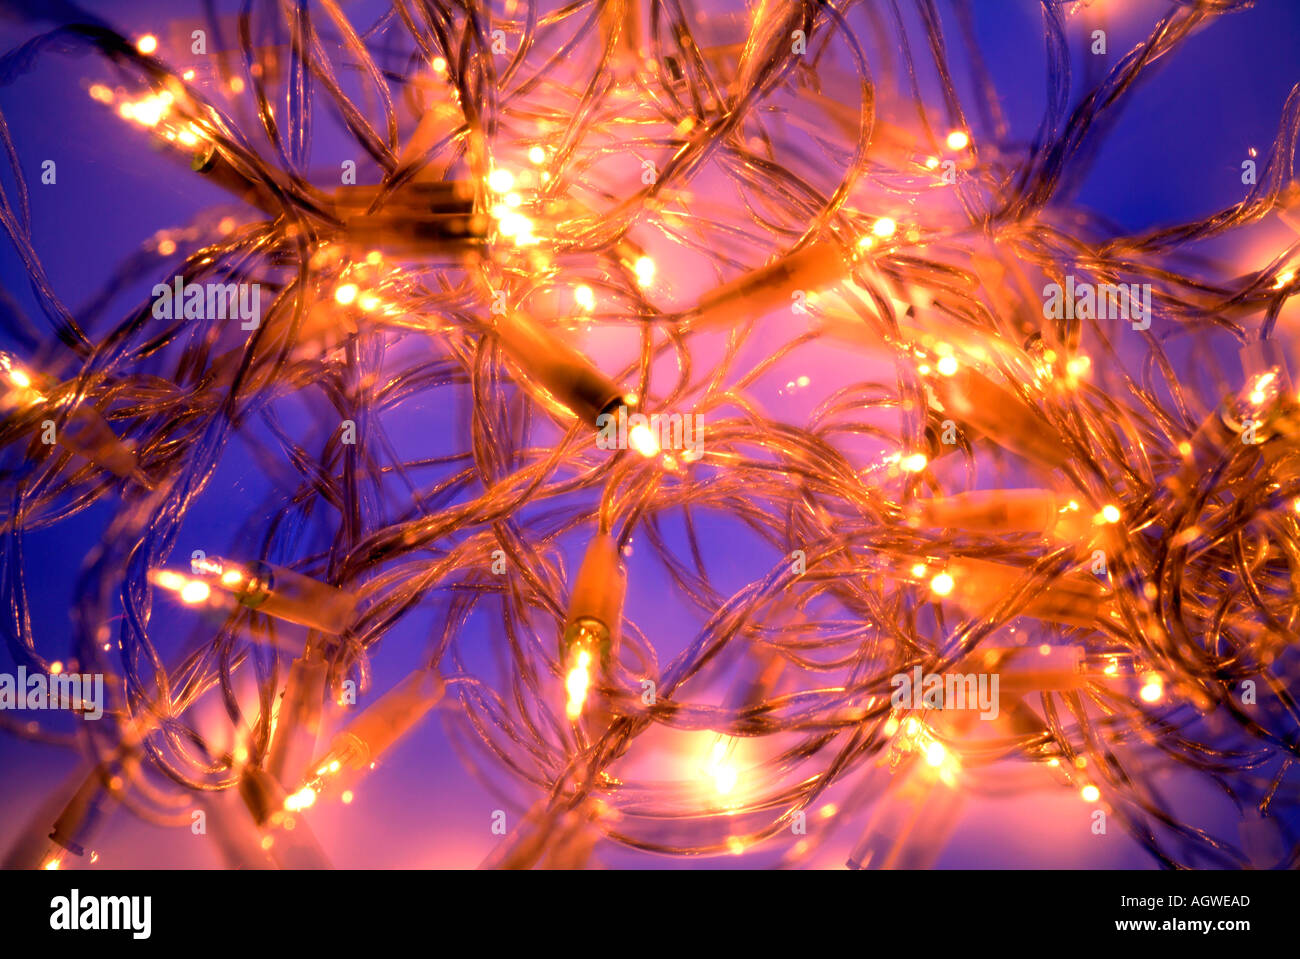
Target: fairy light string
[(727, 193)]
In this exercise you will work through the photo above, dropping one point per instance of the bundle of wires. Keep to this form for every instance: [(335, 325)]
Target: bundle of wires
[(1021, 451)]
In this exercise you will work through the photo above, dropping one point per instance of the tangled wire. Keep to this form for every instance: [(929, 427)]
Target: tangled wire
[(1042, 462)]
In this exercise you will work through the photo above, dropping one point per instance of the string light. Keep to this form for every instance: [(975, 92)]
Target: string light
[(1145, 565)]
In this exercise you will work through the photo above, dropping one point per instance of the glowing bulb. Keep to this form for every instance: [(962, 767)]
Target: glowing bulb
[(935, 754), (947, 365), (919, 570), (195, 591), (942, 584), (931, 163), (1110, 514), (167, 247), (537, 155), (1090, 793), (439, 65), (169, 580), (368, 302), (188, 75), (303, 799), (1284, 279), (514, 224), (347, 796), (231, 577), (101, 93), (645, 270), (20, 379), (884, 227), (52, 864), (642, 439), (1152, 689), (500, 181), (914, 463), (585, 298), (576, 684), (958, 140), (236, 85), (345, 294), (147, 44), (147, 112)]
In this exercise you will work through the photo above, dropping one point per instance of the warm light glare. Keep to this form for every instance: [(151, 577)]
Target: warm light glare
[(303, 799), (958, 140), (1153, 689), (642, 439), (645, 270), (147, 44), (884, 227), (576, 685)]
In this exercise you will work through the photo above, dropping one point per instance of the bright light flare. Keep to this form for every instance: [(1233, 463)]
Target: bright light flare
[(884, 227), (645, 270), (304, 798), (642, 439), (1153, 689), (576, 685)]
